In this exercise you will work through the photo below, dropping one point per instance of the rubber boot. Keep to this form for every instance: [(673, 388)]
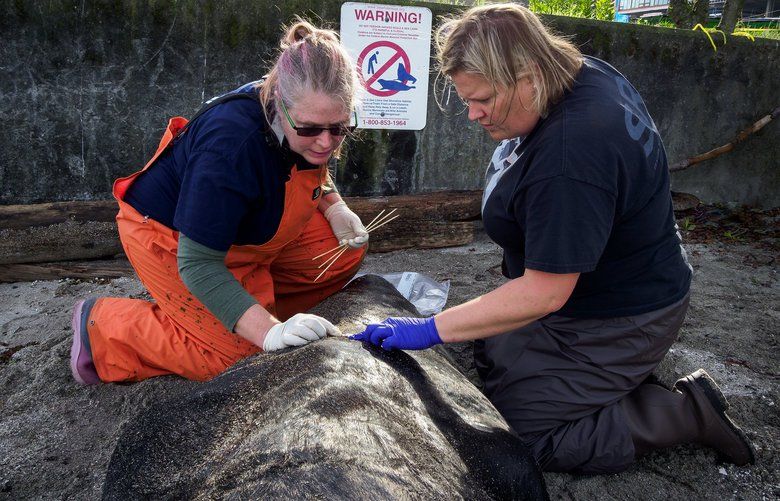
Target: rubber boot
[(693, 412), (81, 365)]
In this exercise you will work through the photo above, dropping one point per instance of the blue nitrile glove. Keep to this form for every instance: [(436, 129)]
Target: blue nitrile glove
[(402, 333)]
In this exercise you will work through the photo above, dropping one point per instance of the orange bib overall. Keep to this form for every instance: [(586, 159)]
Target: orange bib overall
[(133, 339)]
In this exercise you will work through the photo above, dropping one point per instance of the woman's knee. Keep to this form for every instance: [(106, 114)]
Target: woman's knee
[(596, 444)]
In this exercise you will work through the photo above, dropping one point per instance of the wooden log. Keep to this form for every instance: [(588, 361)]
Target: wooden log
[(68, 269), (20, 217), (435, 206), (67, 231), (65, 241), (388, 238), (421, 235), (61, 231), (441, 205)]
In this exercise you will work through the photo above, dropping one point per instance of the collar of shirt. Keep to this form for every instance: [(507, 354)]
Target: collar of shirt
[(276, 127)]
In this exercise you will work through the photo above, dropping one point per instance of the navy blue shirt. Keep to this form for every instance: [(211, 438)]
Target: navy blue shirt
[(587, 191), (222, 182)]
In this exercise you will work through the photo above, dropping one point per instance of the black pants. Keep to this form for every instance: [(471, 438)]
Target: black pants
[(558, 382)]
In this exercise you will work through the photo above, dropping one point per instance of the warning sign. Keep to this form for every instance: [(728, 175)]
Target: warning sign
[(392, 48)]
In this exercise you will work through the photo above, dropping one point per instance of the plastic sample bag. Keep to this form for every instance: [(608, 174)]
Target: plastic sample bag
[(426, 294)]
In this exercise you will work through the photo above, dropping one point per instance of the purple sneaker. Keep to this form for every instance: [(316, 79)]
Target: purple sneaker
[(81, 365)]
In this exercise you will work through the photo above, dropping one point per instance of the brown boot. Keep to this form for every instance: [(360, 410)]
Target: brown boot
[(716, 429), (694, 412)]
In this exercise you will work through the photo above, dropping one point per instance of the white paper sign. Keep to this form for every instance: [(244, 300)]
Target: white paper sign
[(392, 48)]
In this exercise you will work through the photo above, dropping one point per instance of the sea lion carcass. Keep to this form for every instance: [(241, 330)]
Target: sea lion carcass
[(335, 419)]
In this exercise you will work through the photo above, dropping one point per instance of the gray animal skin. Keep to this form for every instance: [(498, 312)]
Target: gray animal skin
[(335, 419)]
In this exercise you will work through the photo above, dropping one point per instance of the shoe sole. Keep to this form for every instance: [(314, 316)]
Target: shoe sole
[(77, 346), (712, 391)]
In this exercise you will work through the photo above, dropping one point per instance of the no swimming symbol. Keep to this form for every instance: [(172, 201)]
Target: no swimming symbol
[(384, 69)]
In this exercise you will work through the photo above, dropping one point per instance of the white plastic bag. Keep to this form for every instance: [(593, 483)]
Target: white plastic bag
[(426, 294)]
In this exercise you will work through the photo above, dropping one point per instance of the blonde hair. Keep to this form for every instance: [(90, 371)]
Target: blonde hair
[(504, 43), (311, 60)]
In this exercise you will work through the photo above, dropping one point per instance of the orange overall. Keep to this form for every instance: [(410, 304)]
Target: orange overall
[(132, 339)]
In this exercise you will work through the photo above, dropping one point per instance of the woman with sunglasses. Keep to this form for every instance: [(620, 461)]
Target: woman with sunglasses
[(577, 195), (222, 224)]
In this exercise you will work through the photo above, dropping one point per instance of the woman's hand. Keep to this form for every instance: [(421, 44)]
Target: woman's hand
[(262, 329), (298, 330), (401, 334), (346, 225)]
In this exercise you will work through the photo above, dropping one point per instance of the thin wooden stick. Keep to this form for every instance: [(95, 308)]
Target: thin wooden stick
[(331, 263), (380, 221), (373, 225), (334, 257), (328, 252), (384, 223), (729, 146), (377, 216), (376, 220), (343, 247)]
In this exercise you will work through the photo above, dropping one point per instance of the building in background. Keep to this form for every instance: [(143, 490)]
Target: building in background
[(753, 10)]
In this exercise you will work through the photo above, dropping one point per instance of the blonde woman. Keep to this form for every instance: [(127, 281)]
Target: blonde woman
[(222, 224), (577, 195)]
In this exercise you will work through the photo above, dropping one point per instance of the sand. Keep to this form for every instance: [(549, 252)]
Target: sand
[(56, 437)]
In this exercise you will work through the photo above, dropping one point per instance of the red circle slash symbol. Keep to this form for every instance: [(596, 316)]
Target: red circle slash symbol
[(398, 54)]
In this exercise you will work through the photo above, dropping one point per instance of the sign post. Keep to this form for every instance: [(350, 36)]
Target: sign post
[(392, 49)]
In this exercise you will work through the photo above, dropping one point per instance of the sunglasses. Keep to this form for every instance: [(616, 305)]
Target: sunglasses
[(334, 130)]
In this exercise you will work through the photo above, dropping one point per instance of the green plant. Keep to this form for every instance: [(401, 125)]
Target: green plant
[(758, 30), (594, 9), (687, 224), (745, 29), (659, 21), (736, 235)]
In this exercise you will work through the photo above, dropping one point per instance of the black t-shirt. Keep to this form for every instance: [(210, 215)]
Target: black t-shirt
[(588, 191), (222, 182)]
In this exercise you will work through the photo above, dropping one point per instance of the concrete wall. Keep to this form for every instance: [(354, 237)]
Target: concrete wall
[(86, 88)]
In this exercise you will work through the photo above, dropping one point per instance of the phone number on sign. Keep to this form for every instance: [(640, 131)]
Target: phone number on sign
[(383, 121)]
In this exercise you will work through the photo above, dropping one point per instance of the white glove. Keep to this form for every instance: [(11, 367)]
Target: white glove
[(346, 225), (298, 330)]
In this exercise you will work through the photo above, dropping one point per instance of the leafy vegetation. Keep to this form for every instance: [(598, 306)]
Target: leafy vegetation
[(604, 10), (744, 29), (731, 224), (759, 30), (687, 224), (593, 9)]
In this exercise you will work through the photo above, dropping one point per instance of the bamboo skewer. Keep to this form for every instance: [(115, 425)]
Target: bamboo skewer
[(328, 252), (376, 222), (342, 248), (333, 257), (375, 218), (332, 260), (384, 223)]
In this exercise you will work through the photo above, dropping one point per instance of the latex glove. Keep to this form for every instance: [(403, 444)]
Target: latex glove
[(299, 330), (401, 333), (346, 225)]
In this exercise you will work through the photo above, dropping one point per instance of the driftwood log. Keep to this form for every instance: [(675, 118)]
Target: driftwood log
[(101, 268), (73, 239), (72, 231)]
